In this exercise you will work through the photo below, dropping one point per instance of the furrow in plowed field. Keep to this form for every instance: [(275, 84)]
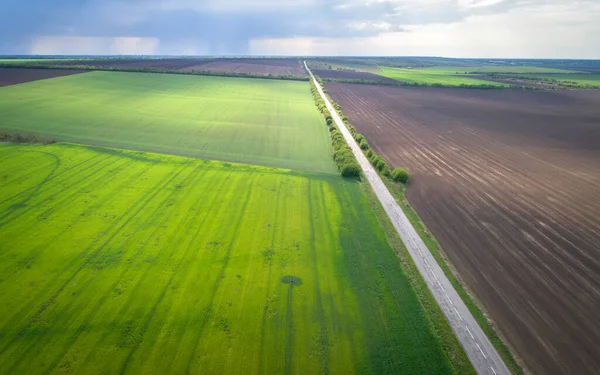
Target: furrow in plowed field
[(508, 182)]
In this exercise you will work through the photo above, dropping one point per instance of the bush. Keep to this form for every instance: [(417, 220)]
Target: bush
[(376, 160), (369, 154), (364, 145), (24, 138), (343, 156), (350, 170), (329, 121), (382, 166), (386, 171), (400, 175)]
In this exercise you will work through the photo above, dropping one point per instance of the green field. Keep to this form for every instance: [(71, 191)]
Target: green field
[(256, 121), (492, 69), (513, 69), (430, 76), (118, 261), (589, 79)]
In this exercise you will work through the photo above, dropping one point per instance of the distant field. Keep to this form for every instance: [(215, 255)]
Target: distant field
[(576, 78), (32, 60), (252, 66), (429, 76), (267, 122), (288, 67), (14, 76), (344, 65), (116, 261), (495, 69)]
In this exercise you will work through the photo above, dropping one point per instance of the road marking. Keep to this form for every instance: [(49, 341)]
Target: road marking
[(457, 313), (441, 286), (491, 368), (468, 330), (449, 299), (482, 353)]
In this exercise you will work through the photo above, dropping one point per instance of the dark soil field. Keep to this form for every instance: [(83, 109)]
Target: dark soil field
[(13, 76), (252, 66), (509, 183), (174, 64), (349, 74), (232, 65)]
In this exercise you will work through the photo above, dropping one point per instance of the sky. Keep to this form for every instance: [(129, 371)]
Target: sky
[(450, 28)]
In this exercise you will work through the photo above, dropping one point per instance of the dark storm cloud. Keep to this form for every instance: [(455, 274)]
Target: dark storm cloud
[(225, 26)]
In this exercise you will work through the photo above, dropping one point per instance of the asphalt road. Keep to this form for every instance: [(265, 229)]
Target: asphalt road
[(479, 349)]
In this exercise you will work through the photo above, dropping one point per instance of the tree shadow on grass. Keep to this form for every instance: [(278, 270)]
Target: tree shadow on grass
[(292, 282)]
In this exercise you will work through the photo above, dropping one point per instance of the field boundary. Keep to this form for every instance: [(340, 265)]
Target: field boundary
[(478, 347), (150, 70), (397, 189)]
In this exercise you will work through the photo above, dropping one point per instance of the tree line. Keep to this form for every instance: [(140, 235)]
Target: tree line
[(342, 154)]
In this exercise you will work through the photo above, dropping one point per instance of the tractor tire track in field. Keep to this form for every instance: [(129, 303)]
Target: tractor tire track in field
[(189, 219), (508, 183), (217, 282), (136, 208), (479, 349), (86, 321)]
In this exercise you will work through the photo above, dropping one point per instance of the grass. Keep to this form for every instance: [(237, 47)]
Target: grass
[(117, 261), (266, 122), (433, 76), (579, 79), (496, 69)]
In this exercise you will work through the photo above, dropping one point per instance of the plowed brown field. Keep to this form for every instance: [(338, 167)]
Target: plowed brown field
[(348, 74), (509, 183), (226, 65), (252, 66), (13, 76)]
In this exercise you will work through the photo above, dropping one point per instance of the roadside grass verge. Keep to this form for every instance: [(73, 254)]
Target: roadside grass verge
[(452, 347)]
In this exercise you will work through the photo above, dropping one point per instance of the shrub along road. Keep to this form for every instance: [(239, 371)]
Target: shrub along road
[(479, 349)]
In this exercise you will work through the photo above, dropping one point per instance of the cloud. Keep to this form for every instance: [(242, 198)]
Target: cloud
[(478, 3), (239, 26), (84, 45), (377, 26), (553, 30)]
